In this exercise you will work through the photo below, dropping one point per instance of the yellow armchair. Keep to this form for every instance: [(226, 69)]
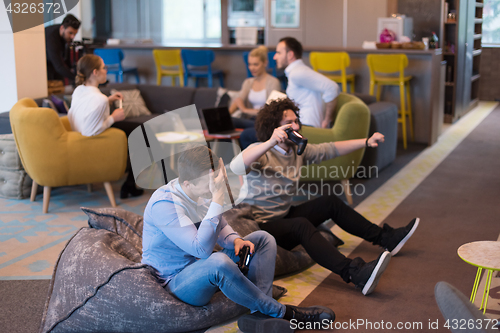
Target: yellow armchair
[(352, 121), (53, 155)]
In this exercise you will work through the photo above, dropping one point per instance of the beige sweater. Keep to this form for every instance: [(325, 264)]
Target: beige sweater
[(272, 83), (273, 179)]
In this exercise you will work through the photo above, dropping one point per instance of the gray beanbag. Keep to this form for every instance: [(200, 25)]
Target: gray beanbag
[(99, 285)]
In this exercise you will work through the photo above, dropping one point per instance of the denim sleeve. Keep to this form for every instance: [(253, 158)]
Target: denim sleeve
[(172, 220)]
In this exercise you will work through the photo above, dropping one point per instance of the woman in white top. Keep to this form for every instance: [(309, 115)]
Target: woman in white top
[(90, 113), (255, 90)]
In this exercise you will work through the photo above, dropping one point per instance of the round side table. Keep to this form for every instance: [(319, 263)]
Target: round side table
[(174, 138), (483, 254)]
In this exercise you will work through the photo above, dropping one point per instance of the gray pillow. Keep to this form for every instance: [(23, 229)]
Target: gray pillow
[(15, 183), (133, 104)]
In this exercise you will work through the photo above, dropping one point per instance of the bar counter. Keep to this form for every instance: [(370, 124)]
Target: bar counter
[(427, 85)]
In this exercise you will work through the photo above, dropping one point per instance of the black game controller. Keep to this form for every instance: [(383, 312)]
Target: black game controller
[(298, 139), (244, 259)]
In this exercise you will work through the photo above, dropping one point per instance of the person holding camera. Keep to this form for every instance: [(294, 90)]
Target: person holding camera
[(58, 37), (274, 167), (183, 222)]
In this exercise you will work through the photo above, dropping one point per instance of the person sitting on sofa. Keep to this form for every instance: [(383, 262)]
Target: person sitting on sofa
[(253, 94), (274, 170), (89, 113), (183, 222)]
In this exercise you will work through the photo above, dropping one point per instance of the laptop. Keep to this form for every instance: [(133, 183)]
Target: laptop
[(218, 121)]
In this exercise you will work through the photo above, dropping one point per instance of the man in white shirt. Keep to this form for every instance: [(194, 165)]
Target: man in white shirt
[(309, 89)]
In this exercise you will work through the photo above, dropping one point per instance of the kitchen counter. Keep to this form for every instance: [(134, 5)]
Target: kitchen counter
[(427, 85)]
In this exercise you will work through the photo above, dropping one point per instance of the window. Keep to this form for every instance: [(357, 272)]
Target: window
[(161, 21), (191, 20), (491, 22)]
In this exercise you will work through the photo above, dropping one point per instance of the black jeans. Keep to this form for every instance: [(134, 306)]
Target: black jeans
[(299, 227)]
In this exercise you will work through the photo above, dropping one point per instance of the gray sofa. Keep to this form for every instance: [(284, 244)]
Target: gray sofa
[(383, 119), (158, 99)]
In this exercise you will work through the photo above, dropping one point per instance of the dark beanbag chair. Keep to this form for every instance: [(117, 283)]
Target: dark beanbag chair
[(100, 285)]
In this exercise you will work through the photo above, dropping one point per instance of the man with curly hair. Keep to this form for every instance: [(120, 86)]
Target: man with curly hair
[(273, 168)]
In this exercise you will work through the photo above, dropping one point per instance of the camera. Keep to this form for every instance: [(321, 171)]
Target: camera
[(244, 259), (298, 139)]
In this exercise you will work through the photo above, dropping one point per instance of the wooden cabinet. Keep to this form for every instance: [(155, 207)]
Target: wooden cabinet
[(462, 52)]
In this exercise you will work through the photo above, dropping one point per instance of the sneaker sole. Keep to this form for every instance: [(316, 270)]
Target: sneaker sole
[(403, 241), (372, 282), (252, 324)]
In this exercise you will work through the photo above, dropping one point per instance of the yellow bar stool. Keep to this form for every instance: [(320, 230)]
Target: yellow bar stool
[(391, 64), (169, 59), (327, 62)]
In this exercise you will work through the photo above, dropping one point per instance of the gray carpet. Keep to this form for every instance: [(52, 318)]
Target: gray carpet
[(457, 203)]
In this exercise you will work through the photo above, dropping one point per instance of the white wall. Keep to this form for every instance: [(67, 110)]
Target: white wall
[(8, 81), (23, 70), (326, 22), (362, 20), (86, 17), (31, 63)]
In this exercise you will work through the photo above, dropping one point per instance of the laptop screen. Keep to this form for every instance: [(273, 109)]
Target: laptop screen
[(218, 120)]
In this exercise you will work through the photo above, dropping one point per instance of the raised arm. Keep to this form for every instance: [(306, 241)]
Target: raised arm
[(348, 146), (172, 220), (253, 153)]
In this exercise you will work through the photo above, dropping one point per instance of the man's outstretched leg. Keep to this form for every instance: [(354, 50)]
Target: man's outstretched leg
[(330, 206), (197, 283)]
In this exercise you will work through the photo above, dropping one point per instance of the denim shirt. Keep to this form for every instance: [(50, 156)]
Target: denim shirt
[(178, 231)]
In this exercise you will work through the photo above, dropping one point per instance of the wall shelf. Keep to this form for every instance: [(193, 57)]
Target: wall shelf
[(462, 74)]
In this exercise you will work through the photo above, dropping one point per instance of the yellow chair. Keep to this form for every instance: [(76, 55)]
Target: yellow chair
[(53, 155), (390, 64), (333, 62), (170, 59)]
